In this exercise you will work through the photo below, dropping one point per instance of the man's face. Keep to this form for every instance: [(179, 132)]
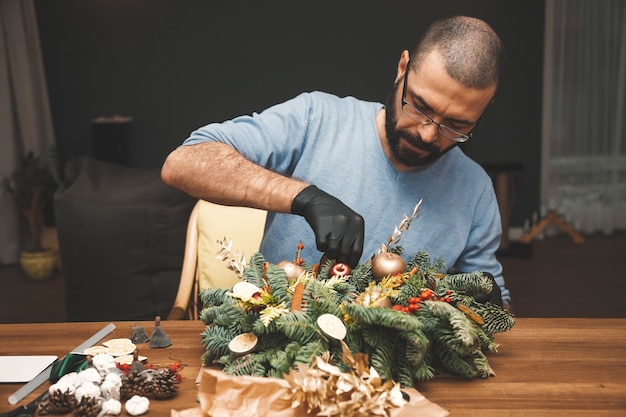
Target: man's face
[(405, 143), (441, 100)]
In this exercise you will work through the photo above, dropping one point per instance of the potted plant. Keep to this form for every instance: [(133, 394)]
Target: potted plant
[(32, 186)]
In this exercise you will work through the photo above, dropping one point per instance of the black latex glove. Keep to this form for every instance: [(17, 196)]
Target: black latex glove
[(339, 231)]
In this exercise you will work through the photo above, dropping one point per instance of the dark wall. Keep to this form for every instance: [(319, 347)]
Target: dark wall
[(176, 65)]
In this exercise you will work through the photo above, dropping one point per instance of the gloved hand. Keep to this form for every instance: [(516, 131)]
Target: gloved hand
[(339, 231)]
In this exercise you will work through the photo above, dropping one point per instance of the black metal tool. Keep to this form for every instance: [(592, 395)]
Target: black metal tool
[(28, 410)]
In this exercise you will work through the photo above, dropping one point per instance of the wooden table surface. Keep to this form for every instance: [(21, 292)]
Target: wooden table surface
[(544, 367)]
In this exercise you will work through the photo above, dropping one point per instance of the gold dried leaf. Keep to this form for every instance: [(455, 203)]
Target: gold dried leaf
[(329, 392)]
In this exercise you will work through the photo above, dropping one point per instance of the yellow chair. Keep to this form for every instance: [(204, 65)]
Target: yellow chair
[(201, 269)]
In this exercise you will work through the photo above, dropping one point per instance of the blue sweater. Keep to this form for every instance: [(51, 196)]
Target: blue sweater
[(333, 143)]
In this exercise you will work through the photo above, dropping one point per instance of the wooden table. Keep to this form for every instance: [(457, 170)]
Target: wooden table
[(545, 367)]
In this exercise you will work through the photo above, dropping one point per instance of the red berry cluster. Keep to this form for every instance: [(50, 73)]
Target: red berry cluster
[(176, 366), (124, 367), (427, 294)]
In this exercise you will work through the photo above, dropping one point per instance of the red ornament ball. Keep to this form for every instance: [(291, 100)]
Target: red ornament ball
[(340, 269)]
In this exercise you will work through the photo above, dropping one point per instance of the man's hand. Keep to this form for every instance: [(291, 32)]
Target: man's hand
[(339, 231)]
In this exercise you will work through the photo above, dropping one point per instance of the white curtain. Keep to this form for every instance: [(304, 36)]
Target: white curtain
[(25, 119), (584, 141)]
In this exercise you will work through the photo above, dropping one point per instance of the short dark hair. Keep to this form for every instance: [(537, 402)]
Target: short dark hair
[(473, 53)]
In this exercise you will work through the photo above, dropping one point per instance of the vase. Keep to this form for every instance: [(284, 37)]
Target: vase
[(38, 265), (50, 240)]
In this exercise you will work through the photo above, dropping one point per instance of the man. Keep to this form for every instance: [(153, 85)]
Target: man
[(353, 169)]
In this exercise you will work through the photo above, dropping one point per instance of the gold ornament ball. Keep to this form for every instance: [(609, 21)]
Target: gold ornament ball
[(387, 263), (292, 270)]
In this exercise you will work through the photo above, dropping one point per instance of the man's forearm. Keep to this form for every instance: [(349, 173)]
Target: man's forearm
[(218, 173)]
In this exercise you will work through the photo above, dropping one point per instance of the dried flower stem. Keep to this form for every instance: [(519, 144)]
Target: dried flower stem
[(235, 262), (394, 238)]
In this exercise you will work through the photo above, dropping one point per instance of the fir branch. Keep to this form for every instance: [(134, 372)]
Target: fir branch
[(243, 365), (275, 373), (215, 296), (297, 326), (374, 337), (354, 338), (318, 299), (497, 319), (461, 298), (421, 261), (465, 333), (310, 351), (385, 317), (397, 354), (486, 340), (276, 279), (403, 373), (335, 289), (430, 268), (481, 363), (361, 276), (215, 340), (211, 313), (451, 361), (381, 357), (255, 272), (285, 358), (447, 336), (345, 292), (282, 361), (266, 355), (415, 353), (260, 329), (423, 371), (234, 318), (418, 360), (323, 270), (411, 288), (472, 283)]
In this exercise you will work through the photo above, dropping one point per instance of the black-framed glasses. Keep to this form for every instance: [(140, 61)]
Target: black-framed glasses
[(417, 116)]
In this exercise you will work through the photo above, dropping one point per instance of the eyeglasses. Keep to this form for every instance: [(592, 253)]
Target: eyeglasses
[(416, 115)]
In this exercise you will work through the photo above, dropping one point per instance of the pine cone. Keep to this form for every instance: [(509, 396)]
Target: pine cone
[(87, 407), (163, 384), (133, 384), (59, 402)]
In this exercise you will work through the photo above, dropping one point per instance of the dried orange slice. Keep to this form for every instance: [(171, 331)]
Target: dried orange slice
[(243, 343), (332, 326)]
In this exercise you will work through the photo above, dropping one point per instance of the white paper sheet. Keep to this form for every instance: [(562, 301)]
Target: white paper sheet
[(23, 368)]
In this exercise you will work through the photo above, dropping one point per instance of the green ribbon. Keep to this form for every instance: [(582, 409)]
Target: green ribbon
[(72, 362)]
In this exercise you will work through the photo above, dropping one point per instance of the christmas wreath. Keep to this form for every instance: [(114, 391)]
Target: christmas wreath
[(408, 319)]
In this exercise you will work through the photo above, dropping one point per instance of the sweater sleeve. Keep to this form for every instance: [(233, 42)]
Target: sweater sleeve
[(484, 241), (274, 138)]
